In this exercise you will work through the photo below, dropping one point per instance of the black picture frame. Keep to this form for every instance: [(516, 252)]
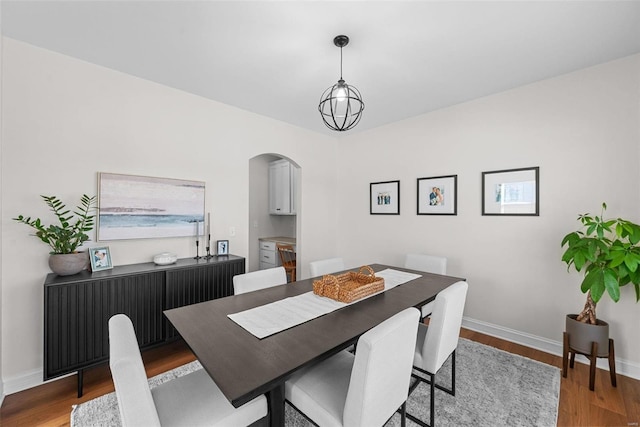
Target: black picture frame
[(511, 192), (384, 198), (222, 247), (437, 195)]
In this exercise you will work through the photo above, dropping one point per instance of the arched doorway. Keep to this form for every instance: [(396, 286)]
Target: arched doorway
[(264, 224)]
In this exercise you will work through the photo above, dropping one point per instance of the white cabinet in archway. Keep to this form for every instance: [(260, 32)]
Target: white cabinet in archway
[(282, 188)]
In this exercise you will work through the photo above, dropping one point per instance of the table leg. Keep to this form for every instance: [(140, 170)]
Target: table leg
[(275, 399)]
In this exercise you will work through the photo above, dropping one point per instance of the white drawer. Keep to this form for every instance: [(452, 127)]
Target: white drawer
[(267, 245), (265, 265), (268, 257)]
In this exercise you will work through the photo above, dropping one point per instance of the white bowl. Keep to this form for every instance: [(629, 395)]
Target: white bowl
[(165, 258)]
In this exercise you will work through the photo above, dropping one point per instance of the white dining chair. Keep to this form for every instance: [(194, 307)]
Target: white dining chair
[(325, 266), (365, 389), (190, 400), (439, 340), (259, 279), (428, 264)]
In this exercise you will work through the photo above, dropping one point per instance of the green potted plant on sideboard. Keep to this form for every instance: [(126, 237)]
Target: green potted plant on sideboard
[(607, 252), (65, 238)]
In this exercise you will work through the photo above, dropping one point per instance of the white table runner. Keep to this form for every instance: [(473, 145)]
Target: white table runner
[(277, 316)]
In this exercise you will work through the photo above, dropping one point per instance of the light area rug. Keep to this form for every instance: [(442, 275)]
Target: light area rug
[(493, 388)]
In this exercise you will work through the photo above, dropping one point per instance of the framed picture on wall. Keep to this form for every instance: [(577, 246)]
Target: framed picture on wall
[(142, 207), (511, 192), (100, 258), (222, 247), (438, 195), (384, 198)]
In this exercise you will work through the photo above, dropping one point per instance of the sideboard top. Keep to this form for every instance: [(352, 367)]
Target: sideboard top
[(146, 267)]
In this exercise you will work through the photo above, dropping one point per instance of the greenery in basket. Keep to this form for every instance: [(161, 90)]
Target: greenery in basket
[(65, 237), (607, 251)]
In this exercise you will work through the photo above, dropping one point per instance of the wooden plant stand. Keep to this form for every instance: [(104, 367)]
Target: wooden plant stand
[(567, 352)]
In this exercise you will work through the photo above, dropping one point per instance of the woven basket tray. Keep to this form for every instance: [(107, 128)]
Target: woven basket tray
[(349, 287)]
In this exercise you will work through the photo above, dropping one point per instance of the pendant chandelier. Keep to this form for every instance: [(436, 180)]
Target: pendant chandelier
[(341, 105)]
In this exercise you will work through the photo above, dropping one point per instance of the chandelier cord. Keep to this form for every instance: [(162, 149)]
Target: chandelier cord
[(340, 62)]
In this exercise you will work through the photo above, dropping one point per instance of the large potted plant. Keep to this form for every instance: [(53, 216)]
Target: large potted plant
[(608, 254), (65, 237)]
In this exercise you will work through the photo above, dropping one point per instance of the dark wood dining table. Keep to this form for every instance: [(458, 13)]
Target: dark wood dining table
[(244, 366)]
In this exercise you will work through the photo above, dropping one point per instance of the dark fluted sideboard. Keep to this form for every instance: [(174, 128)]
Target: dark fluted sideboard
[(77, 308)]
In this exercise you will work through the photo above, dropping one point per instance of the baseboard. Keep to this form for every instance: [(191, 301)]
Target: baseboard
[(623, 367), (22, 382), (28, 380)]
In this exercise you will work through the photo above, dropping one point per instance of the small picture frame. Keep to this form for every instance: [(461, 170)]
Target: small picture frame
[(100, 257), (438, 195), (511, 192), (222, 247), (384, 198)]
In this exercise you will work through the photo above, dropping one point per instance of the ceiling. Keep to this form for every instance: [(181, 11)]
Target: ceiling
[(275, 58)]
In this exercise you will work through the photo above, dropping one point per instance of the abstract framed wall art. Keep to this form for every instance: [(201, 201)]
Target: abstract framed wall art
[(438, 195), (142, 207), (511, 192), (384, 198)]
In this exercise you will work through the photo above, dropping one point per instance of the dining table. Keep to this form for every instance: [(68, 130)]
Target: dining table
[(245, 366)]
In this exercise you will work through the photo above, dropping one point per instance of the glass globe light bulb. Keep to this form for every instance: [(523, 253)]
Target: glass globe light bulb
[(341, 92)]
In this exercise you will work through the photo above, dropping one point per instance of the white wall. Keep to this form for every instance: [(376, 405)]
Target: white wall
[(65, 120), (581, 129), (1, 382)]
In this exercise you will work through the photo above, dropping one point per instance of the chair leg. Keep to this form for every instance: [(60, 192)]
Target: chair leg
[(432, 382), (612, 363), (592, 365), (453, 373), (403, 415), (413, 386), (433, 398)]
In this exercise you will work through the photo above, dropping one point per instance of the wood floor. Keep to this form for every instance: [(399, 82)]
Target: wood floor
[(50, 404)]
